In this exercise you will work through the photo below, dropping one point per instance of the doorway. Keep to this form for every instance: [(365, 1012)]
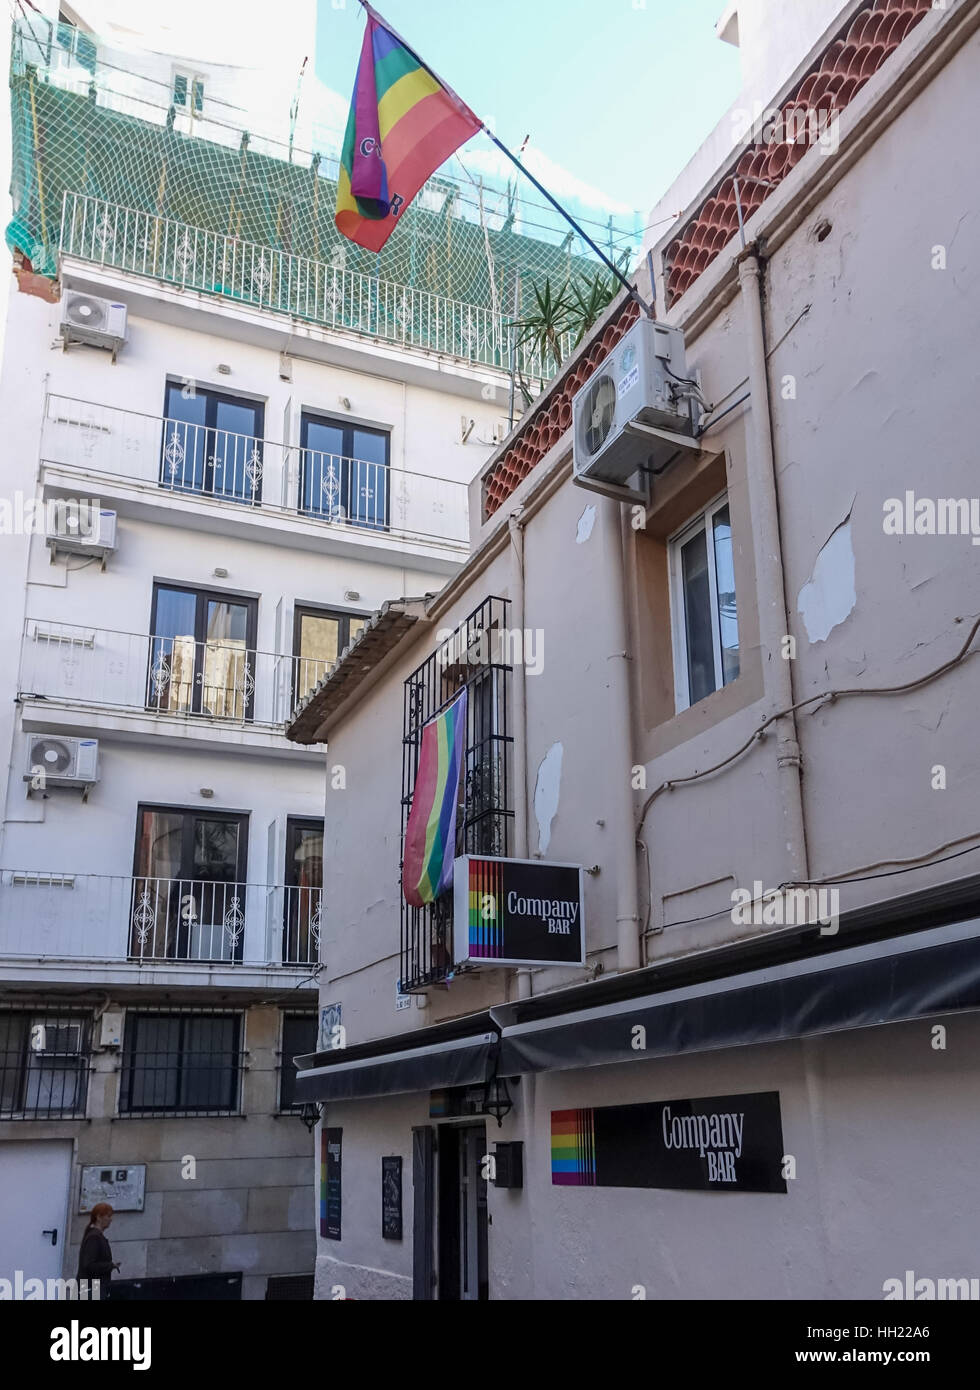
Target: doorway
[(35, 1225), (463, 1217)]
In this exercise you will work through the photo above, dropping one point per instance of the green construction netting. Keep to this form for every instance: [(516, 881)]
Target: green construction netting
[(106, 167)]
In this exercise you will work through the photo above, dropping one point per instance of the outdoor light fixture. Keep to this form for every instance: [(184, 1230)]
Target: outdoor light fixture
[(309, 1113), (224, 369)]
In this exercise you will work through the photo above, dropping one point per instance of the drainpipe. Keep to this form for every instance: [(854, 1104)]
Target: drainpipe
[(515, 526), (619, 725), (773, 621)]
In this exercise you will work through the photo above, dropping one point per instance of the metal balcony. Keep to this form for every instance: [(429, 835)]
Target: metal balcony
[(352, 496), (218, 681), (100, 917), (145, 244)]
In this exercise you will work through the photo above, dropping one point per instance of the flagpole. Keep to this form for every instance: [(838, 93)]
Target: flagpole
[(631, 289)]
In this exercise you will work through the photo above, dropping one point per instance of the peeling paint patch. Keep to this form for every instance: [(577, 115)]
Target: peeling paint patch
[(585, 524), (828, 597), (547, 786)]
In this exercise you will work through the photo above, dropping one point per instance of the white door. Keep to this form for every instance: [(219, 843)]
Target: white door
[(34, 1177)]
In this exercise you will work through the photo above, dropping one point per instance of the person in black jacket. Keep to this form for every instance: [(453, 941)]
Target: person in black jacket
[(95, 1255)]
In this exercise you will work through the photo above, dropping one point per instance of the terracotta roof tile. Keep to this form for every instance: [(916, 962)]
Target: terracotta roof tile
[(836, 77)]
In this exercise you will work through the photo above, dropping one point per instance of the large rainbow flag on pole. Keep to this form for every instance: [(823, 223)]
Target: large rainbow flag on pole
[(403, 123), (430, 836)]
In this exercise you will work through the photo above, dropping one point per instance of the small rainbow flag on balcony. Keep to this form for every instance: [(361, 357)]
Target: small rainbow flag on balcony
[(430, 835), (403, 123)]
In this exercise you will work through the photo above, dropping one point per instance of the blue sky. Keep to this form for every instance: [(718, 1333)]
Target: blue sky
[(618, 93)]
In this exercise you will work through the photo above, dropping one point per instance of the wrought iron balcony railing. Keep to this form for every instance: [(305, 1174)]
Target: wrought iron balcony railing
[(151, 918), (222, 681), (146, 244), (258, 474)]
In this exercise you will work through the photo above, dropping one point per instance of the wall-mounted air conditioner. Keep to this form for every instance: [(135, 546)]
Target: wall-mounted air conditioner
[(56, 1039), (634, 412), (78, 529), (61, 762), (85, 318)]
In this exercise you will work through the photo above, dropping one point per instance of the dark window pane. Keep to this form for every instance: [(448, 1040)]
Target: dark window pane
[(172, 651), (180, 90), (697, 618), (153, 1063), (298, 1039), (184, 439), (13, 1042), (210, 1064), (725, 584)]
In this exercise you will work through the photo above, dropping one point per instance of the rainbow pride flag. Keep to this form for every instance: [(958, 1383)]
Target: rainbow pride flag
[(430, 836), (403, 124)]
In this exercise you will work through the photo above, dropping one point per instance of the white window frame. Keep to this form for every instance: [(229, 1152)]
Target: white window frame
[(704, 521), (193, 79)]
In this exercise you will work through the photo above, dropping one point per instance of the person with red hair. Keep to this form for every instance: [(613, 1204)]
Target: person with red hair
[(95, 1255)]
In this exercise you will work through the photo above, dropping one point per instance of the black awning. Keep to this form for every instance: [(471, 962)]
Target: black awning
[(459, 1053), (887, 981)]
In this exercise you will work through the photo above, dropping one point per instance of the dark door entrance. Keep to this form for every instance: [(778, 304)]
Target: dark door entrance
[(463, 1223)]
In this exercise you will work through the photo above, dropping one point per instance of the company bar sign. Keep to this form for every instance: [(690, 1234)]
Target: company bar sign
[(517, 912), (720, 1143)]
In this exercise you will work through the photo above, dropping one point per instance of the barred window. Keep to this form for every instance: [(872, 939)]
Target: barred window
[(43, 1064), (299, 1038), (181, 1063), (477, 656)]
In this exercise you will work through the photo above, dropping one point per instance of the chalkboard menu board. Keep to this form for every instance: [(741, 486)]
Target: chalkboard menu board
[(391, 1197), (330, 1175)]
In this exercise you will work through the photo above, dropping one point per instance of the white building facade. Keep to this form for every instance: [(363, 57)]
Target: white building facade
[(205, 497)]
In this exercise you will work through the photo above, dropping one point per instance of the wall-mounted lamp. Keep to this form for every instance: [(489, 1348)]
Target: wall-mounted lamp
[(207, 793), (224, 369)]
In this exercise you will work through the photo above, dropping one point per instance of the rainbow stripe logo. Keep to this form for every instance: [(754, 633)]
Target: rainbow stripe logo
[(573, 1148), (323, 1182), (486, 909)]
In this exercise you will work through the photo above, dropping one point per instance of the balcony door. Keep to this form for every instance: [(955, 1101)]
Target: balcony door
[(344, 474), (202, 653), (212, 443), (189, 893), (304, 882), (319, 636)]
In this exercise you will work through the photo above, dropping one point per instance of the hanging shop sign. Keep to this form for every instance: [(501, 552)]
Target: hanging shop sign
[(720, 1143), (517, 912), (330, 1183)]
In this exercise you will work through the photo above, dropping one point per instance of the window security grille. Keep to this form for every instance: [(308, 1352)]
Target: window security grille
[(44, 1062), (477, 656), (186, 1062)]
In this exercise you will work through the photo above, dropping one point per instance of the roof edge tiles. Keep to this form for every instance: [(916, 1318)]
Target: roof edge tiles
[(376, 640), (549, 418), (833, 79)]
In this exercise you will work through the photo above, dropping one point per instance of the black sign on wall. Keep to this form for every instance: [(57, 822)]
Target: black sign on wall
[(391, 1197), (721, 1143), (330, 1182), (517, 912)]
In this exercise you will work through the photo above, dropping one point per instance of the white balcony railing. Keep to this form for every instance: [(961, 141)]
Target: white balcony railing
[(146, 244), (347, 494), (222, 681), (168, 920)]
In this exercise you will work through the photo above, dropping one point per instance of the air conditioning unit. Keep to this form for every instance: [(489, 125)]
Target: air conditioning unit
[(85, 318), (62, 762), (56, 1039), (78, 529), (635, 412)]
